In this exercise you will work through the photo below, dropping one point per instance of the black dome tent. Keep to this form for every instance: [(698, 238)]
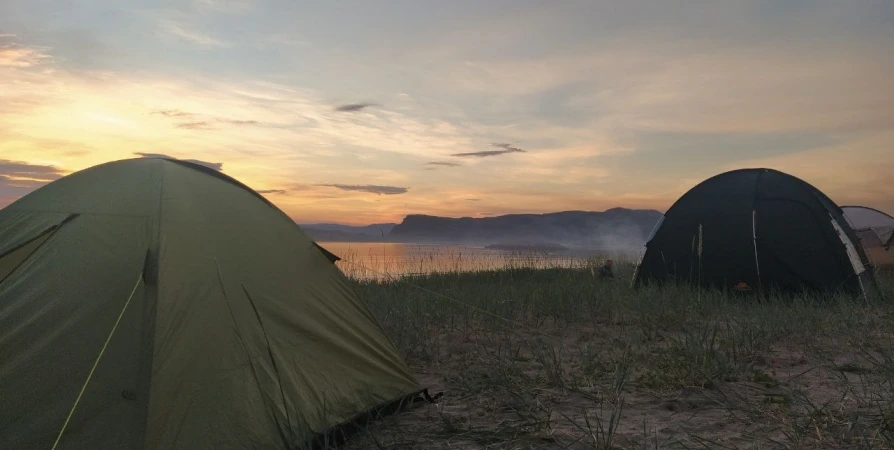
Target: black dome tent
[(756, 230)]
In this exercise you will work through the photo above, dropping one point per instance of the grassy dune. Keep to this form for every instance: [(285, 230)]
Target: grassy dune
[(556, 358)]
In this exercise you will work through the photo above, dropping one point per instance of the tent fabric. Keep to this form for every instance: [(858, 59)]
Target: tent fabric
[(206, 317), (876, 232), (758, 230), (332, 257)]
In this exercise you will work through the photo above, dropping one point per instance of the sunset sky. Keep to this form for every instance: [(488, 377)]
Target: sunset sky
[(364, 111)]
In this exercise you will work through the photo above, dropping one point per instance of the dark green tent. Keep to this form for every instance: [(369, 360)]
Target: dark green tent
[(159, 304), (759, 230)]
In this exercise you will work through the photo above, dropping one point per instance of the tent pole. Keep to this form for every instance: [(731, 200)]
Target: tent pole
[(757, 264)]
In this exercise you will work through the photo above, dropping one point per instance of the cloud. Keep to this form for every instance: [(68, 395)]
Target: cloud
[(212, 165), (200, 125), (688, 86), (354, 107), (296, 126), (239, 122), (226, 6), (287, 39), (167, 27), (737, 66), (575, 105), (380, 190), (271, 191), (507, 148), (855, 171), (15, 55), (24, 171), (173, 113), (443, 163), (18, 178)]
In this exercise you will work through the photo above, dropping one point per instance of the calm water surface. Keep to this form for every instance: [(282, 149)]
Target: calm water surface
[(384, 260)]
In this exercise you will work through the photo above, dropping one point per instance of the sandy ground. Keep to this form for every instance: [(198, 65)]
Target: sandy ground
[(522, 390)]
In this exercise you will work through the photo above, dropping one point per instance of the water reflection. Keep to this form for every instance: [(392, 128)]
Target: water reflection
[(386, 260)]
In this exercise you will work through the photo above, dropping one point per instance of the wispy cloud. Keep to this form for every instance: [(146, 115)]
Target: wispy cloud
[(354, 107), (507, 148), (27, 172), (173, 113), (271, 191), (443, 163), (200, 125), (168, 27), (21, 56), (579, 86), (18, 178), (226, 6), (211, 165), (373, 189), (239, 122), (288, 40)]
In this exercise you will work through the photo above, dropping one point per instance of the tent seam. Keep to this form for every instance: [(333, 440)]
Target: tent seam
[(254, 371), (272, 359), (149, 320)]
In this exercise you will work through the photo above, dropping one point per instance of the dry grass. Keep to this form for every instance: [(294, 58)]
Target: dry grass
[(556, 358)]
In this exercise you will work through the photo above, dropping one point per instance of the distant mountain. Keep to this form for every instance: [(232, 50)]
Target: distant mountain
[(322, 235), (616, 228), (377, 230)]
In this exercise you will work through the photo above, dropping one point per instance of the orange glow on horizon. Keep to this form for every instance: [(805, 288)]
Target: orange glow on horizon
[(633, 125)]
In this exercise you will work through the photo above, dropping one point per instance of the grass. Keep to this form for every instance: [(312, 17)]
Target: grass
[(532, 358)]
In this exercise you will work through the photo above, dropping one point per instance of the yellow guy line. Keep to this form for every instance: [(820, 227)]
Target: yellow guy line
[(96, 363)]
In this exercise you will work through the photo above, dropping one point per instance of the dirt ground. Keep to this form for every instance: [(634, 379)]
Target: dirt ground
[(524, 390), (559, 359)]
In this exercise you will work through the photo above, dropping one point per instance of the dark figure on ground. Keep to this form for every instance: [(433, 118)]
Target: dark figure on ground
[(605, 270)]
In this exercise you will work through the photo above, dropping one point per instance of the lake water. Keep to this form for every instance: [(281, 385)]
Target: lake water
[(385, 260)]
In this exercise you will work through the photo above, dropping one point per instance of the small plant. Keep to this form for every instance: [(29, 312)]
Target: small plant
[(537, 353)]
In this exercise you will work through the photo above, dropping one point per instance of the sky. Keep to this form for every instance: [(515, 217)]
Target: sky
[(363, 112)]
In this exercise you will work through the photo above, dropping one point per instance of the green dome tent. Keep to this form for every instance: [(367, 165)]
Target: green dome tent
[(159, 304)]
